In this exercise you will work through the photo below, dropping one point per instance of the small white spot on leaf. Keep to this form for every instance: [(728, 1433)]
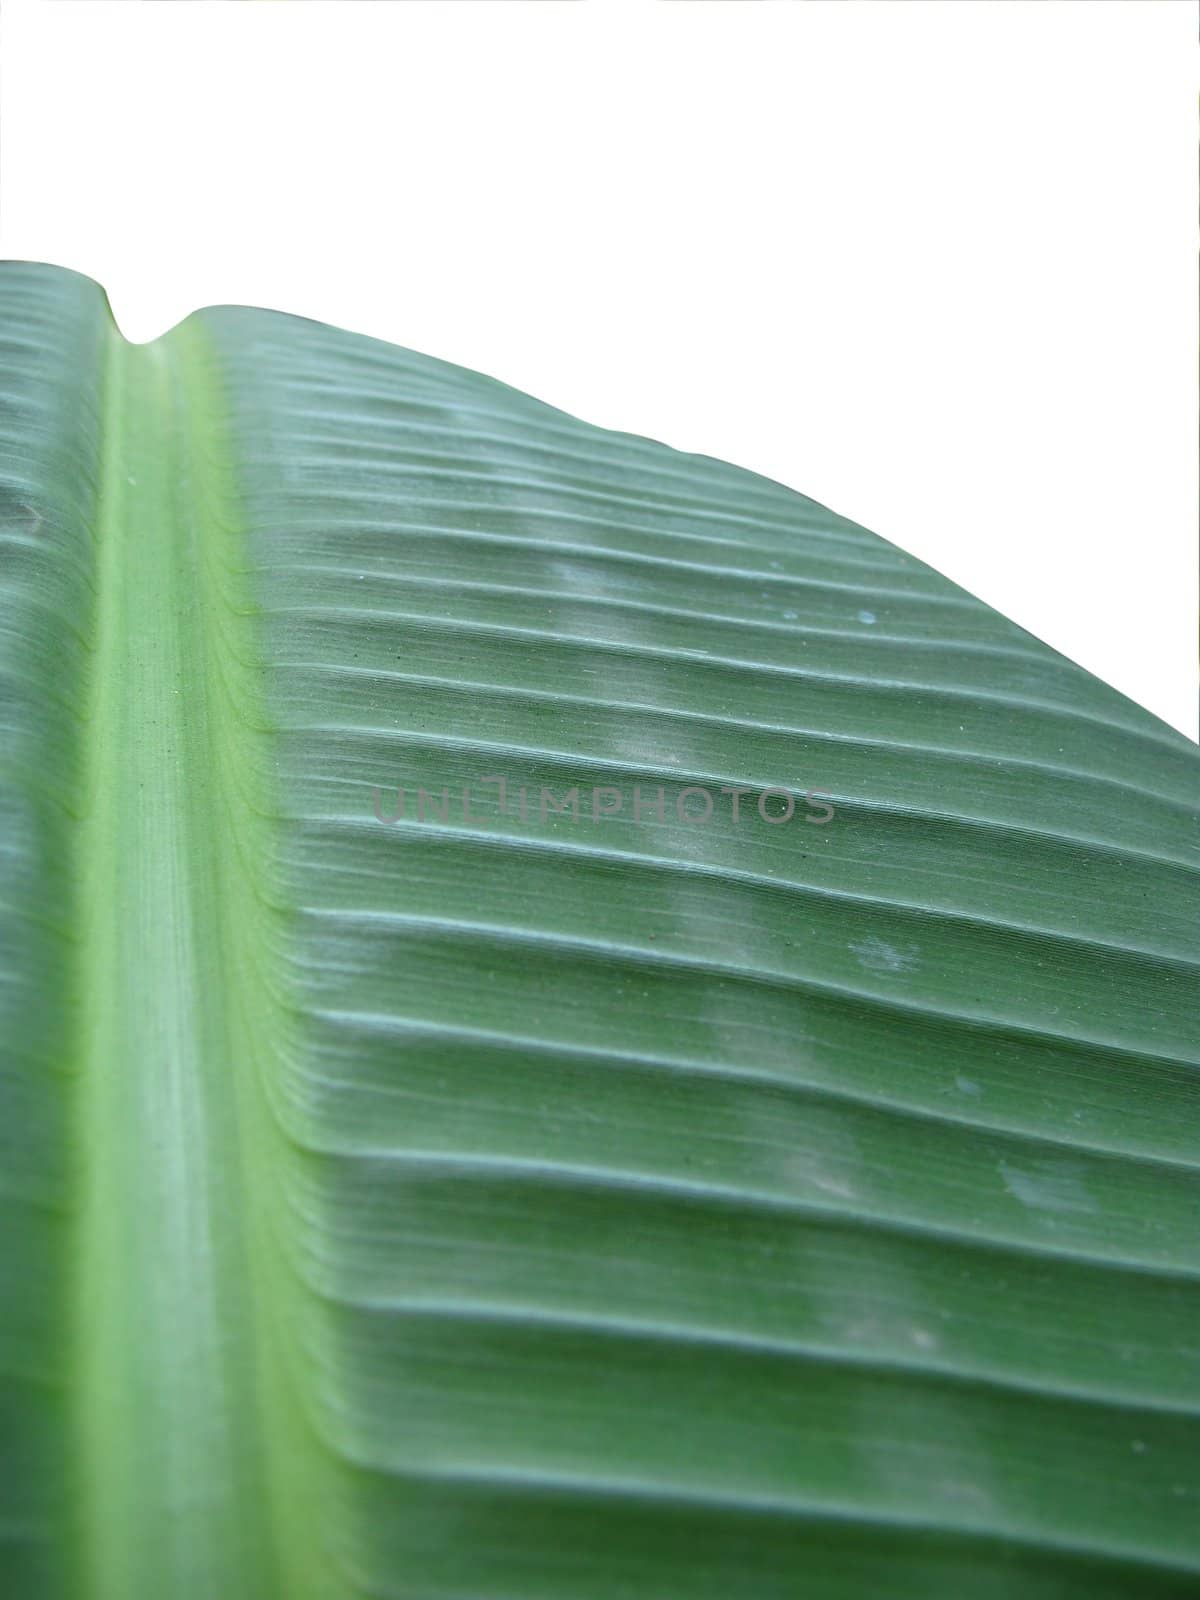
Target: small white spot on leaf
[(876, 955), (1047, 1188)]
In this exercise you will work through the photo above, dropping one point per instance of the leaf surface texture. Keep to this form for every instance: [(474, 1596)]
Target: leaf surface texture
[(531, 1208)]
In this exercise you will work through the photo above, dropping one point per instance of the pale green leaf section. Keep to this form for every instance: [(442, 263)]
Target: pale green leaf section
[(518, 1207)]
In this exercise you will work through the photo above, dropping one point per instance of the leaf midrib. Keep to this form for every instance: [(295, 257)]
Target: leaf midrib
[(184, 1438)]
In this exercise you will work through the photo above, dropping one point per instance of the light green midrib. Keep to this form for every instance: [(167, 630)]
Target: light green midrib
[(190, 1479)]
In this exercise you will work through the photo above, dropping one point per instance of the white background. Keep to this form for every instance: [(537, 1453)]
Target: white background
[(934, 264)]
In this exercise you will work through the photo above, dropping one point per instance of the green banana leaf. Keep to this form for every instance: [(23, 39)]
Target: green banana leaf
[(570, 1189)]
